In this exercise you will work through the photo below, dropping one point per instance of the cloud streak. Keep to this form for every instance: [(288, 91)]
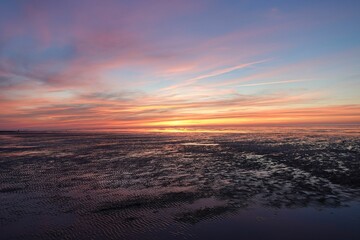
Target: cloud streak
[(212, 74), (272, 83)]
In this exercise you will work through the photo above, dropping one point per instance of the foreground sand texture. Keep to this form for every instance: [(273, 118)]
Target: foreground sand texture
[(279, 184)]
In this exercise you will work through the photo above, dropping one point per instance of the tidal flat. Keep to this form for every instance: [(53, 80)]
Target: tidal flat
[(280, 183)]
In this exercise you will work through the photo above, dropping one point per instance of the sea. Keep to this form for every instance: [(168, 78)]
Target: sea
[(263, 183)]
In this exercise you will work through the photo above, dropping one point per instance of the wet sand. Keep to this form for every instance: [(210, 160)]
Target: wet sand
[(278, 184)]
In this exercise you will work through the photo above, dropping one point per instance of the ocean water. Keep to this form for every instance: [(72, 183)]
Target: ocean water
[(256, 184)]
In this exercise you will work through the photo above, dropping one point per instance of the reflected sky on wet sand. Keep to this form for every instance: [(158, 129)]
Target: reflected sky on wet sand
[(279, 184)]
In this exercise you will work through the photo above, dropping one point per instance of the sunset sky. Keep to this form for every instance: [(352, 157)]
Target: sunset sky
[(159, 64)]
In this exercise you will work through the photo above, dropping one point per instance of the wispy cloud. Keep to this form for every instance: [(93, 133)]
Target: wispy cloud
[(212, 74), (272, 83)]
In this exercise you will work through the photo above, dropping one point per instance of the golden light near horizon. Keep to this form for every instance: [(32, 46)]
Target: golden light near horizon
[(215, 122)]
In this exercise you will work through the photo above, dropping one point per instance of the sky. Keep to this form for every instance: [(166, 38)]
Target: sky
[(177, 64)]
